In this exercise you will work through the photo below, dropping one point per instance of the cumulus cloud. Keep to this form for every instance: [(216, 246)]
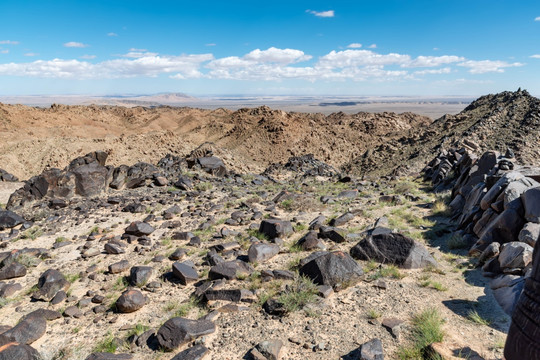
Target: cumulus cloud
[(9, 42), (536, 56), (210, 44), (74, 44), (445, 70), (433, 61), (112, 34), (184, 65), (486, 66), (325, 14), (354, 46), (372, 46), (272, 64), (537, 18)]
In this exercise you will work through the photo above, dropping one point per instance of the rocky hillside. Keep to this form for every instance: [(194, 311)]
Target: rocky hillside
[(492, 122), (251, 139)]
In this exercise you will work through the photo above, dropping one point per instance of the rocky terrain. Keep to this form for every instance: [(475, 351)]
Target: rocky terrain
[(247, 247)]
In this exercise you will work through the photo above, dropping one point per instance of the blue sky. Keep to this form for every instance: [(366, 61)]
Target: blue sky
[(357, 47)]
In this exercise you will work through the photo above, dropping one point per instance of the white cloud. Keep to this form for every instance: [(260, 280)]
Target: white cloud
[(112, 34), (184, 65), (350, 58), (537, 18), (536, 56), (432, 61), (326, 14), (210, 44), (31, 54), (283, 56), (9, 42), (4, 51), (486, 66), (354, 46), (74, 44), (138, 54), (372, 46), (272, 64), (445, 70)]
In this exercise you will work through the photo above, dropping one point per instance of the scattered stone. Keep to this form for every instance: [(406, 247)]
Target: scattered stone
[(372, 350), (395, 249), (197, 352), (267, 350), (119, 267), (274, 228), (8, 219), (229, 270), (139, 275), (261, 252), (11, 271), (130, 301), (393, 325), (179, 331), (185, 273), (28, 330), (49, 283), (139, 228), (336, 269)]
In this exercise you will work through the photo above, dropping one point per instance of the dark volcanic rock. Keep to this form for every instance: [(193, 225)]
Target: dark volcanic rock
[(229, 270), (27, 330), (336, 269), (119, 267), (268, 350), (109, 356), (372, 350), (197, 352), (8, 219), (49, 283), (185, 273), (179, 331), (139, 275), (261, 252), (393, 248), (13, 270), (139, 228), (274, 228), (10, 350), (130, 301)]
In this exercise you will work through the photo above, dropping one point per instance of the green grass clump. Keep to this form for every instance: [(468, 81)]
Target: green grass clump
[(32, 233), (456, 241), (28, 260), (390, 271), (373, 314), (257, 234), (107, 345), (72, 277), (204, 186), (477, 318), (287, 204), (138, 330), (299, 294), (426, 330), (120, 284)]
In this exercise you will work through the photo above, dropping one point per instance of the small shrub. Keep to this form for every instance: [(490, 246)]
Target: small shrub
[(390, 271), (108, 345), (28, 260), (373, 314), (299, 294), (477, 319), (72, 277), (257, 234), (427, 329), (204, 186), (300, 227), (137, 330), (456, 241)]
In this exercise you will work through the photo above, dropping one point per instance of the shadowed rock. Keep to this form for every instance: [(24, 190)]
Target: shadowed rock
[(130, 301), (12, 350), (179, 331), (8, 219), (394, 249), (28, 330), (49, 283), (336, 269), (197, 352)]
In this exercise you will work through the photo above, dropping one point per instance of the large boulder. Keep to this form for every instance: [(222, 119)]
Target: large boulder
[(393, 248), (274, 228), (9, 219), (130, 301), (515, 255), (91, 179), (179, 331), (336, 269), (261, 252), (28, 330), (5, 176), (12, 270), (503, 228), (139, 228), (12, 350), (531, 203), (49, 283)]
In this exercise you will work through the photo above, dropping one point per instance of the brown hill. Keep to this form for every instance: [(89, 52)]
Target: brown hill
[(499, 121), (34, 138)]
